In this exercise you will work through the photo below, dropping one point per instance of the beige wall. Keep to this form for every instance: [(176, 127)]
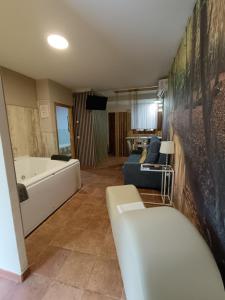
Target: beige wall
[(23, 116), (52, 91), (31, 134), (49, 93), (59, 93), (19, 90), (25, 131), (42, 89)]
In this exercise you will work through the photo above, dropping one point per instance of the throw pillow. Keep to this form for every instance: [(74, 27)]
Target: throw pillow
[(153, 151)]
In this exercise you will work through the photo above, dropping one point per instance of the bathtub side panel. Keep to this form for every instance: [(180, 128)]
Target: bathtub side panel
[(46, 196)]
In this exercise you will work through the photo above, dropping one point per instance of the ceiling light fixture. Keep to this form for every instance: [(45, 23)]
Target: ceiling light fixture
[(57, 41)]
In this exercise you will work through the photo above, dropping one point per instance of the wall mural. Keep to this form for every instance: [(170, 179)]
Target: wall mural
[(195, 113)]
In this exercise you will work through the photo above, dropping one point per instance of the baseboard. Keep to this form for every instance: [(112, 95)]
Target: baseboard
[(13, 276)]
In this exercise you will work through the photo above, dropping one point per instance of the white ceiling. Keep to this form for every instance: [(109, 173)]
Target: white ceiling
[(113, 43)]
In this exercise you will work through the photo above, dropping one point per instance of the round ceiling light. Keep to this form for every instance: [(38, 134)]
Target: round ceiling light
[(57, 41)]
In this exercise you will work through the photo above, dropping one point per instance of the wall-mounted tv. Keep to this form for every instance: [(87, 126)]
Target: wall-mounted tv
[(96, 103)]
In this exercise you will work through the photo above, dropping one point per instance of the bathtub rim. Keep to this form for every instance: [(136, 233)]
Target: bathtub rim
[(29, 182)]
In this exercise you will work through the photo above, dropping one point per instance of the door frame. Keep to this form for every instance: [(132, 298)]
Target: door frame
[(71, 127)]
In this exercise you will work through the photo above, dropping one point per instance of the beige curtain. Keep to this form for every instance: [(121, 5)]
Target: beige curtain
[(90, 132), (84, 132), (100, 123)]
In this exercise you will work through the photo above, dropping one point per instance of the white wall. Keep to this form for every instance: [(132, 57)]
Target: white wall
[(12, 248)]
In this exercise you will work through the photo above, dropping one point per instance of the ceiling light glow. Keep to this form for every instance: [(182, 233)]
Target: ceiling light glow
[(57, 41)]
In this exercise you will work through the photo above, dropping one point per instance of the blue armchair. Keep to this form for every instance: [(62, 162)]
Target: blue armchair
[(132, 168)]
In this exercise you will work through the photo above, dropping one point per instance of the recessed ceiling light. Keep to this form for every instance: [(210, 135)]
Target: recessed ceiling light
[(57, 41)]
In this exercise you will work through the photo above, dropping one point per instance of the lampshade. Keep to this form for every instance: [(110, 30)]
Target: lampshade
[(167, 147)]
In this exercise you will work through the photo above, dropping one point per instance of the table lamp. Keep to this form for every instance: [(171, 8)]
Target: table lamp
[(167, 147)]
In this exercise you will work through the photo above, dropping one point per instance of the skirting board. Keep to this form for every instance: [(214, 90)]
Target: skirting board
[(13, 276)]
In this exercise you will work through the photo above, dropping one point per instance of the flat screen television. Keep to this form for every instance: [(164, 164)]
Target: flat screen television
[(96, 103)]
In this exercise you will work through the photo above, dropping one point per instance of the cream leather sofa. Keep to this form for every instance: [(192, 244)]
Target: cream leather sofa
[(161, 254)]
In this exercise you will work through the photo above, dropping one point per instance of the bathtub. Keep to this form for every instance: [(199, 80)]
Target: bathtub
[(49, 184)]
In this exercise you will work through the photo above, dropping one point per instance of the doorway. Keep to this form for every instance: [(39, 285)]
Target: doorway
[(119, 128), (65, 131)]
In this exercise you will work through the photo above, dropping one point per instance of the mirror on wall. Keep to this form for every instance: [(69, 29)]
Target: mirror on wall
[(64, 125)]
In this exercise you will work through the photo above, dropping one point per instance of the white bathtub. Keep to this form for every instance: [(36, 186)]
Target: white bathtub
[(49, 184)]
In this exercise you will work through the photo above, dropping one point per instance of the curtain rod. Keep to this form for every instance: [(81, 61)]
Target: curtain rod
[(147, 88)]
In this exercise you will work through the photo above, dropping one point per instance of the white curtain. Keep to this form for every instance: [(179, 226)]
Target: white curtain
[(144, 114)]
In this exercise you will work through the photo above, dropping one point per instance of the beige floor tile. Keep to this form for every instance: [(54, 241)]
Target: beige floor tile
[(88, 241), (87, 190), (84, 234), (82, 223), (123, 295), (50, 261), (59, 291), (85, 210), (33, 288), (105, 278), (7, 288), (95, 296), (77, 269), (101, 212), (74, 247), (79, 221), (74, 202), (60, 217), (108, 249), (66, 237), (33, 253), (38, 240), (98, 223), (95, 201)]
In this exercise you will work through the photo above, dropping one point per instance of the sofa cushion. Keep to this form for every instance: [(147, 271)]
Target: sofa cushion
[(151, 158), (134, 158), (153, 151)]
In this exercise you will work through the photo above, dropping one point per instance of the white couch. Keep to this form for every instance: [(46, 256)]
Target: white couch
[(161, 254)]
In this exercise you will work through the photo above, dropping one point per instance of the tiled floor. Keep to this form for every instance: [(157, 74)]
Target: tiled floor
[(72, 254)]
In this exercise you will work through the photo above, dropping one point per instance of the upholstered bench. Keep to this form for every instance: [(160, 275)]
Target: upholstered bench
[(161, 254)]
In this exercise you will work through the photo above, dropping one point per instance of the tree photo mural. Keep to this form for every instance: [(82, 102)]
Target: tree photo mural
[(195, 114)]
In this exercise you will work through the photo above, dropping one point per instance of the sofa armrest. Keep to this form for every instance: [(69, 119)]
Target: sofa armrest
[(131, 167), (133, 175), (153, 263)]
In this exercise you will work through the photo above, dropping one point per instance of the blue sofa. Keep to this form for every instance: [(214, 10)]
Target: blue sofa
[(132, 168)]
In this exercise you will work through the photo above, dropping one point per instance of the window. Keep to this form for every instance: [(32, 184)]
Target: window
[(144, 115)]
